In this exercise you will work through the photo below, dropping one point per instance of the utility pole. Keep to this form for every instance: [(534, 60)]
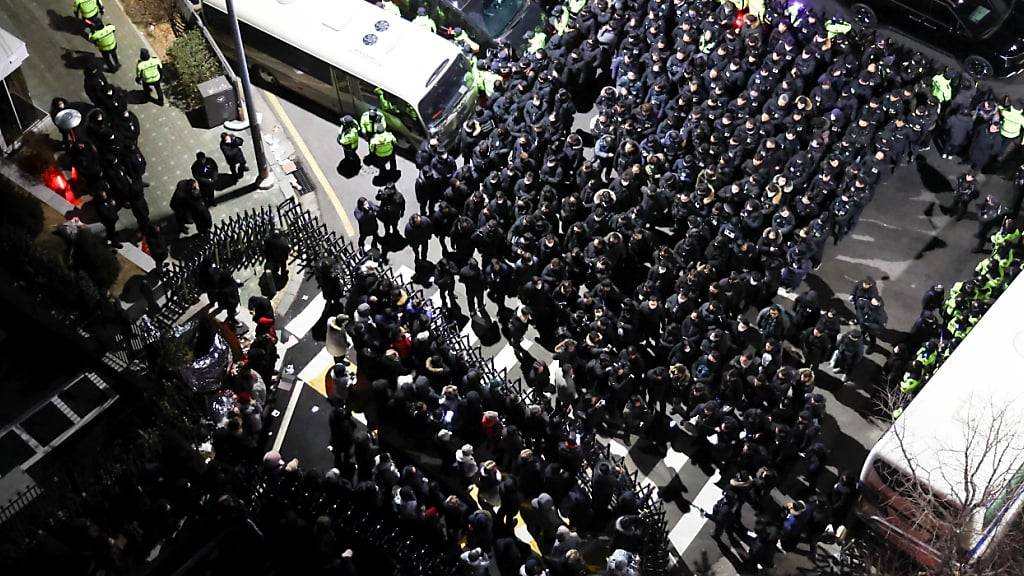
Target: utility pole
[(250, 106)]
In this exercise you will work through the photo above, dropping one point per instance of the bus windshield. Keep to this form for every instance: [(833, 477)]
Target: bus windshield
[(982, 17), (494, 16), (446, 92)]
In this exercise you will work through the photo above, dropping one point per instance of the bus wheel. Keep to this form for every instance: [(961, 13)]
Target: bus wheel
[(978, 67), (864, 15), (263, 76)]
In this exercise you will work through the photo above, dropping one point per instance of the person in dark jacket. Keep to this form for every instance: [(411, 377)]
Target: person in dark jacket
[(990, 215), (958, 133), (985, 146), (107, 211), (204, 171), (365, 214), (276, 250), (231, 148), (965, 192), (472, 278), (180, 201)]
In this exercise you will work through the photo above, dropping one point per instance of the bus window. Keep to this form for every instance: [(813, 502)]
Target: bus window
[(446, 93), (1003, 500)]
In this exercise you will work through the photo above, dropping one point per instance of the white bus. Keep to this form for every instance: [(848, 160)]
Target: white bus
[(348, 55), (957, 449)]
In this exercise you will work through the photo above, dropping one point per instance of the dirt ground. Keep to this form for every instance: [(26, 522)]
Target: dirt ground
[(154, 18)]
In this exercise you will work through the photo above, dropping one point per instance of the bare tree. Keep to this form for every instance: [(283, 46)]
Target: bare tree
[(950, 500)]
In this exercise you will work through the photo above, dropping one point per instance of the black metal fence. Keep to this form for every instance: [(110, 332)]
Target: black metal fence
[(312, 241)]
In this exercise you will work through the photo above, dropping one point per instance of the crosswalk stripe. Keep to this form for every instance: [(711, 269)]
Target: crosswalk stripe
[(405, 274), (467, 331), (689, 526), (317, 366), (304, 321), (675, 460), (507, 357)]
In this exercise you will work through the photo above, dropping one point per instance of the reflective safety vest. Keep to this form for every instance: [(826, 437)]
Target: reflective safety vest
[(485, 80), (837, 28), (1000, 238), (464, 38), (369, 127), (425, 22), (104, 38), (757, 8), (392, 8), (576, 6), (538, 41), (148, 71), (87, 8), (1012, 120), (942, 88), (909, 385), (383, 145), (563, 23), (348, 136)]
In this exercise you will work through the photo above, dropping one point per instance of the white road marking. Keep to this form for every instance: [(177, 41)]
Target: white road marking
[(675, 460), (405, 274), (467, 331), (303, 323), (507, 357), (293, 401), (321, 362), (689, 526)]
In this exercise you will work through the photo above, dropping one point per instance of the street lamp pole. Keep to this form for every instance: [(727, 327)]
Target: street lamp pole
[(250, 104)]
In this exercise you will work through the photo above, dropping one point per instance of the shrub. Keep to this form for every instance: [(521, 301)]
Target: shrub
[(19, 210), (190, 62), (91, 255)]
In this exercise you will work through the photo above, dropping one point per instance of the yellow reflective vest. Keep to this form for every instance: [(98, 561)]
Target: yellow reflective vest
[(87, 8), (148, 71), (104, 38), (383, 145)]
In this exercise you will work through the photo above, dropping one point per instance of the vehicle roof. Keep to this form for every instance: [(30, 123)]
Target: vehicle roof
[(401, 60), (984, 375)]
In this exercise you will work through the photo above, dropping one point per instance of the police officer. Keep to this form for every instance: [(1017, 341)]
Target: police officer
[(147, 73), (965, 192), (348, 137), (990, 213), (371, 123), (105, 41), (107, 211), (424, 21), (90, 11), (382, 147)]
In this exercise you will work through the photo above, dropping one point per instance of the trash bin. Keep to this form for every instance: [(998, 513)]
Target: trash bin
[(219, 101)]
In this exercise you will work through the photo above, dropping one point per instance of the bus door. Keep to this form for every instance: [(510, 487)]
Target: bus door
[(401, 118), (343, 92)]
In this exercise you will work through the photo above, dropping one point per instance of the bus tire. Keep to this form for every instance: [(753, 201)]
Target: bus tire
[(263, 76), (864, 15), (978, 67)]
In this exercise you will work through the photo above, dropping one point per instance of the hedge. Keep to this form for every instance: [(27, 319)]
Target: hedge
[(190, 62)]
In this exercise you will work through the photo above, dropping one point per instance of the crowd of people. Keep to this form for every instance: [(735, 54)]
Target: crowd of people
[(728, 147), (727, 151)]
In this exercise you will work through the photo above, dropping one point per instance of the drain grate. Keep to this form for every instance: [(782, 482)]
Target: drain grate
[(302, 178)]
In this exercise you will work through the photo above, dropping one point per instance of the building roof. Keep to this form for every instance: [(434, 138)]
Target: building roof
[(12, 53)]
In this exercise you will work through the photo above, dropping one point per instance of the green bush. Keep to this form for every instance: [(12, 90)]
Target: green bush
[(91, 255), (190, 62)]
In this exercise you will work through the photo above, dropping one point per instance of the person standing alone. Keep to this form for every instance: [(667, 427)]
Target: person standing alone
[(147, 73), (231, 148)]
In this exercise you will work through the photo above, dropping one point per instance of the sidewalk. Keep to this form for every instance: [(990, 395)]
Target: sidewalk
[(58, 53)]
